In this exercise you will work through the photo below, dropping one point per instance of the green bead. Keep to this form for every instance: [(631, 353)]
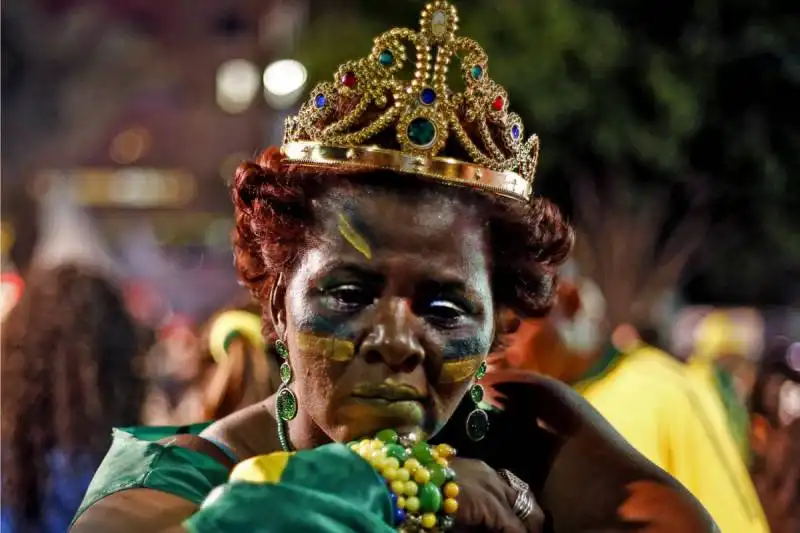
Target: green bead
[(438, 474), (423, 453), (476, 393), (286, 373), (387, 435), (281, 348), (481, 370), (286, 404), (398, 452), (449, 474), (386, 58), (430, 498), (421, 131)]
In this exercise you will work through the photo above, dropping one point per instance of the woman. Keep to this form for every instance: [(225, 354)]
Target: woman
[(68, 377), (383, 271)]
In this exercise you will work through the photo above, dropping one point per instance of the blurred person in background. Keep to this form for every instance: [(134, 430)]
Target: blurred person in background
[(238, 370), (718, 362), (645, 394), (174, 367), (775, 435), (68, 376)]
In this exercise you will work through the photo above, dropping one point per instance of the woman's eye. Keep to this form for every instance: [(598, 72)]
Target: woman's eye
[(348, 297), (445, 313)]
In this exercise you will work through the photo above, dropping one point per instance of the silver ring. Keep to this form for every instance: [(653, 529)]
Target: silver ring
[(523, 504)]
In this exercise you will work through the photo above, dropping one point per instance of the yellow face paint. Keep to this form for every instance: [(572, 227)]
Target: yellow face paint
[(455, 371), (329, 347), (352, 236)]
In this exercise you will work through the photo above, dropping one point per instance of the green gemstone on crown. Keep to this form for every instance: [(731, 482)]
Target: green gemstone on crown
[(421, 132), (386, 58)]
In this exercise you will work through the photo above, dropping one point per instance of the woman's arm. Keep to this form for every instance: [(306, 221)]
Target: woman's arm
[(135, 511)]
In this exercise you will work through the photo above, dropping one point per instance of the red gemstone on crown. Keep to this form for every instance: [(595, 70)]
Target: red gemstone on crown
[(498, 103), (349, 79)]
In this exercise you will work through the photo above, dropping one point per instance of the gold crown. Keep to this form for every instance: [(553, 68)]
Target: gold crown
[(335, 126)]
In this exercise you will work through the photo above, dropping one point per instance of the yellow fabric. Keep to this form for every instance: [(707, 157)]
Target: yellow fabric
[(680, 426), (262, 469)]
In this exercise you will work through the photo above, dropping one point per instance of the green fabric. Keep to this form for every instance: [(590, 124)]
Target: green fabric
[(136, 460), (329, 489), (735, 410), (607, 362)]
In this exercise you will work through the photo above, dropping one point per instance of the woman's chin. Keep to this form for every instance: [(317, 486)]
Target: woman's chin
[(365, 417)]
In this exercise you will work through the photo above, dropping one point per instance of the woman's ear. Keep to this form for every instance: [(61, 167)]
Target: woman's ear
[(277, 305)]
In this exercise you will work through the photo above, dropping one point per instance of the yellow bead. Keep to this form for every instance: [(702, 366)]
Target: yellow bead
[(411, 488), (391, 462), (376, 444), (411, 465), (412, 504), (451, 490), (429, 520), (442, 462), (450, 506), (445, 451), (398, 487), (422, 476), (390, 473), (401, 502), (403, 475)]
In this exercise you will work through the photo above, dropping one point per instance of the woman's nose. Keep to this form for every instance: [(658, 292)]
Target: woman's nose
[(392, 338)]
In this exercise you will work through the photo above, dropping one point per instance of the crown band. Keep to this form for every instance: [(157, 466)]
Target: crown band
[(445, 169)]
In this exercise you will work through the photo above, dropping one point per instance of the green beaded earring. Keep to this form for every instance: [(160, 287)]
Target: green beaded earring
[(477, 420), (286, 402)]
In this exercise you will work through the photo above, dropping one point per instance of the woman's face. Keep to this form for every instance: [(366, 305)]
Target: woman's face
[(389, 314)]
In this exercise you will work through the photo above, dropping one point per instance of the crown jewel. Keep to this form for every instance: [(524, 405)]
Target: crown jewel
[(338, 124)]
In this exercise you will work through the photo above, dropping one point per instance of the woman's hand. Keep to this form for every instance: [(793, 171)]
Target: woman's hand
[(486, 501)]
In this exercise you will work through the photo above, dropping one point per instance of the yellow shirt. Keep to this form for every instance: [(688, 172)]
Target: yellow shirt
[(680, 426)]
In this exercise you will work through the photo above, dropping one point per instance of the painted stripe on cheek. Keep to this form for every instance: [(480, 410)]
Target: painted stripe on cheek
[(338, 350)]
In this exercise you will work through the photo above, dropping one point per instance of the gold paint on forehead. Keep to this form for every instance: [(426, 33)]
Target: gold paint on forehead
[(352, 236), (329, 347), (455, 371)]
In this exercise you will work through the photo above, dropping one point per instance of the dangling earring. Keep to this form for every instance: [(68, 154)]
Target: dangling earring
[(477, 420), (286, 402)]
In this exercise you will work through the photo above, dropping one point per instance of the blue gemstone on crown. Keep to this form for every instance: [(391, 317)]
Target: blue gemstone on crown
[(515, 131), (320, 101), (386, 58), (476, 72), (421, 132), (427, 96)]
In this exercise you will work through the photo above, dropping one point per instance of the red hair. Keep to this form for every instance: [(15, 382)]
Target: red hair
[(274, 220)]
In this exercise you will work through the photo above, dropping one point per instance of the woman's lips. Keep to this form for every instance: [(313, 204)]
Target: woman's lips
[(387, 393)]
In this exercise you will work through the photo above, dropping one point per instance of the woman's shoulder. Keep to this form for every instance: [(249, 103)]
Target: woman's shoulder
[(171, 460)]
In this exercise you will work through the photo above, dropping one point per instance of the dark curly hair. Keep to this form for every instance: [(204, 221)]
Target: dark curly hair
[(68, 377), (274, 220)]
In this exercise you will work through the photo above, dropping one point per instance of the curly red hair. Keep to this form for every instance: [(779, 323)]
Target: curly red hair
[(274, 220)]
